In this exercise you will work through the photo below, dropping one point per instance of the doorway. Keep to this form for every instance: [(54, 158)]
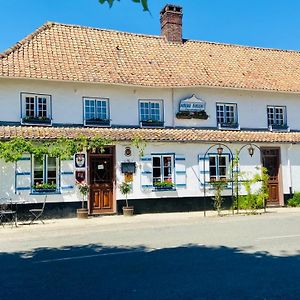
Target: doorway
[(102, 181), (271, 161)]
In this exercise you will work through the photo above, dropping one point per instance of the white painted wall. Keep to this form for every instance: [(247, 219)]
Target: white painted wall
[(68, 106), (290, 168)]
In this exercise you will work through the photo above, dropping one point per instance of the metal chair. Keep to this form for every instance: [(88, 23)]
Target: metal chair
[(37, 213), (6, 212)]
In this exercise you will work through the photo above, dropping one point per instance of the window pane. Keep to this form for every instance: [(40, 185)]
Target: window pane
[(156, 161), (29, 107), (89, 109), (42, 107), (51, 170), (144, 111), (101, 109), (38, 171)]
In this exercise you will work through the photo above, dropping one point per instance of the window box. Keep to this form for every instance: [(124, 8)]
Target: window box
[(152, 123), (36, 120), (164, 186), (97, 122), (44, 188), (229, 125), (201, 115)]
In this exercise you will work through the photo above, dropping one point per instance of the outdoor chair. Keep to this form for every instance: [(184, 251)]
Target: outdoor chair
[(7, 214), (37, 213)]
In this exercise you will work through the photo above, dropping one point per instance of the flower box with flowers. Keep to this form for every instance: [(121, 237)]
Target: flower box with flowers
[(201, 115), (164, 185), (44, 188)]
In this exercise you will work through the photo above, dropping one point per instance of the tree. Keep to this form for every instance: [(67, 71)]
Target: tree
[(144, 3)]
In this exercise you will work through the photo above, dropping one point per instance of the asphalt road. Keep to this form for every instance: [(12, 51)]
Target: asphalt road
[(175, 256)]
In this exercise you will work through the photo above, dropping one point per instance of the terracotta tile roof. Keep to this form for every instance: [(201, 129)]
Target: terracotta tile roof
[(83, 54), (151, 135)]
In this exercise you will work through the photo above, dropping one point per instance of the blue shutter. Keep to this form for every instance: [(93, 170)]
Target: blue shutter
[(180, 171), (203, 170), (146, 172), (67, 178), (23, 175)]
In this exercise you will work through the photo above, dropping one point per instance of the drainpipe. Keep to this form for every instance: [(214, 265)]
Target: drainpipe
[(173, 108), (290, 169)]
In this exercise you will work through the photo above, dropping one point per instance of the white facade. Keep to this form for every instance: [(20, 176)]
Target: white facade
[(67, 109)]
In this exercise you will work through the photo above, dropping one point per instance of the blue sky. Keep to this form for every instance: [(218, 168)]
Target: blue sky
[(263, 23)]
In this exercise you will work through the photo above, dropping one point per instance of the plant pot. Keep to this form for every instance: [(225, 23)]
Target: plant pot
[(128, 211), (82, 213)]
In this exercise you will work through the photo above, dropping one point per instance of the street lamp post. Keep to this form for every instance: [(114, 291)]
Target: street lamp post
[(220, 150)]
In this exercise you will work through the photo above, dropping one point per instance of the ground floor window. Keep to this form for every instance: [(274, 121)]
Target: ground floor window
[(45, 173), (218, 167), (163, 171)]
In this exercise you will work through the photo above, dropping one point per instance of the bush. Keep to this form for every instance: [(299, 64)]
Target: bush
[(295, 201), (251, 201)]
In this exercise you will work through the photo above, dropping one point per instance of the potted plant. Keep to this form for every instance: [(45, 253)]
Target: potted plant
[(82, 213), (125, 188)]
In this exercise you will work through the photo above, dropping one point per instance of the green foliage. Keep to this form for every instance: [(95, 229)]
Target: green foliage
[(125, 188), (257, 199), (140, 144), (295, 200), (44, 186), (218, 187), (164, 184), (64, 148), (144, 3)]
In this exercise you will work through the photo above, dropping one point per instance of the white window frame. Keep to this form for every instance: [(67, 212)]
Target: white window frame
[(45, 172), (223, 114), (273, 116), (36, 109), (217, 165), (161, 167), (150, 119), (95, 101)]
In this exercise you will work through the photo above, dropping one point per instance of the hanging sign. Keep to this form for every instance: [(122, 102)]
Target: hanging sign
[(192, 104), (80, 160)]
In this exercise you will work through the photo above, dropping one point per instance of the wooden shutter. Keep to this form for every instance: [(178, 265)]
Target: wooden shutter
[(180, 171), (203, 169), (146, 172), (67, 178), (23, 175)]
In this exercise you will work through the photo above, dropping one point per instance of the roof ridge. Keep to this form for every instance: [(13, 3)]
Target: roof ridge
[(26, 39), (108, 30), (244, 46)]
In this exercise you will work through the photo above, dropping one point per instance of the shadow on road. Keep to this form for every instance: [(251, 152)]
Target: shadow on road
[(187, 272)]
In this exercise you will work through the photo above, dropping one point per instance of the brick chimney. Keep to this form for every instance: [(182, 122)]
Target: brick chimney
[(171, 23)]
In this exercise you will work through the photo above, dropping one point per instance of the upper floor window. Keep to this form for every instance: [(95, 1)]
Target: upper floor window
[(163, 171), (96, 111), (277, 117), (218, 167), (151, 112), (227, 115), (45, 174), (36, 109)]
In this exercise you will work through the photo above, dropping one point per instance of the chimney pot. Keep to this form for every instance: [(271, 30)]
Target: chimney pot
[(171, 23)]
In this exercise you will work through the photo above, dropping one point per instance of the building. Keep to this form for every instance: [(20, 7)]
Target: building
[(181, 97)]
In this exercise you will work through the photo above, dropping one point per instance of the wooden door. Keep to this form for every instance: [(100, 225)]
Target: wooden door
[(101, 178), (271, 161)]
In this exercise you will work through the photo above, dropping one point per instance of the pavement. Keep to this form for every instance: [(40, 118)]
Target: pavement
[(154, 256)]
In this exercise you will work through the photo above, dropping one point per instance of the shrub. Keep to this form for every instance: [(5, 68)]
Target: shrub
[(295, 201)]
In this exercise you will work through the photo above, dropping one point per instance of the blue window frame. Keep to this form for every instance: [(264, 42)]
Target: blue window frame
[(218, 167), (227, 115), (36, 109), (96, 111), (163, 171), (277, 116), (45, 175), (151, 112)]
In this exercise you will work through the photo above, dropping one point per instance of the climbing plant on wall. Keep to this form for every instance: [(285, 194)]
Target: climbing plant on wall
[(64, 148)]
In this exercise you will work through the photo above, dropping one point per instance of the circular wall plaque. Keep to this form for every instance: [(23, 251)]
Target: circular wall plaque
[(127, 151)]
